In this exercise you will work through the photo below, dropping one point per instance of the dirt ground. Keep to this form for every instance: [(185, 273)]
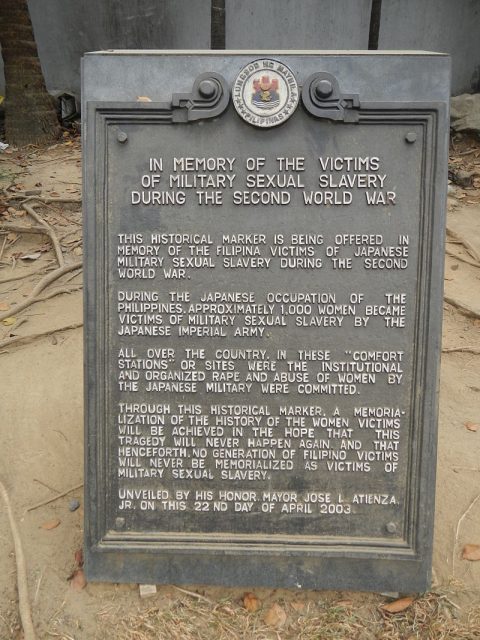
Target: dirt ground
[(41, 446)]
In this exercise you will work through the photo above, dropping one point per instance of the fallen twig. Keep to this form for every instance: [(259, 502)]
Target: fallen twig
[(3, 247), (463, 308), (17, 228), (466, 243), (444, 597), (33, 336), (46, 485), (24, 275), (194, 595), (22, 585), (37, 590), (50, 232), (60, 495), (70, 156), (58, 292), (44, 282), (47, 200), (451, 253), (457, 530), (70, 233), (57, 210), (474, 350), (73, 276)]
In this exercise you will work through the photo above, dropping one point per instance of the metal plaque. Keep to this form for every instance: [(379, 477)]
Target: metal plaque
[(263, 300)]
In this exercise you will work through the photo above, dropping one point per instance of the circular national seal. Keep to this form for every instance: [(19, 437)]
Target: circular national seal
[(265, 93)]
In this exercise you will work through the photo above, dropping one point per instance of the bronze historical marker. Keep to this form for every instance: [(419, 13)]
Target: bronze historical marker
[(263, 310)]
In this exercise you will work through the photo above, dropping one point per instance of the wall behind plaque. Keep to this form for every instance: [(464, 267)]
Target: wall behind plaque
[(297, 24), (450, 26), (65, 29)]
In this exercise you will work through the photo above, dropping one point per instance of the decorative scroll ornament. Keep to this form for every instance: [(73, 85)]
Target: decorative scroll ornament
[(265, 93), (209, 98), (322, 97)]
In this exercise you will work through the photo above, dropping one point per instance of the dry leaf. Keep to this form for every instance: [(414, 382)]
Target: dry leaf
[(251, 602), (9, 321), (4, 306), (78, 251), (54, 194), (31, 256), (275, 616), (79, 557), (51, 524), (143, 99), (344, 603), (79, 581), (298, 606), (398, 605), (471, 426), (471, 552)]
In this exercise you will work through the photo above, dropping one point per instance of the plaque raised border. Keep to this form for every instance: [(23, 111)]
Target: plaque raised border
[(397, 564)]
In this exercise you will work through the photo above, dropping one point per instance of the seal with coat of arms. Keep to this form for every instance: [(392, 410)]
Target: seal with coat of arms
[(265, 93)]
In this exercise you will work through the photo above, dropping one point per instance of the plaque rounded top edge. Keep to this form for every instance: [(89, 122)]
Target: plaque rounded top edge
[(265, 93)]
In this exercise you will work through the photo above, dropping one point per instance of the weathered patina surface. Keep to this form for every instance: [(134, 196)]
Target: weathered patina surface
[(263, 304)]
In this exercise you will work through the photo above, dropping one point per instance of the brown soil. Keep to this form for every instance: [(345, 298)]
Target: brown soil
[(41, 453)]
